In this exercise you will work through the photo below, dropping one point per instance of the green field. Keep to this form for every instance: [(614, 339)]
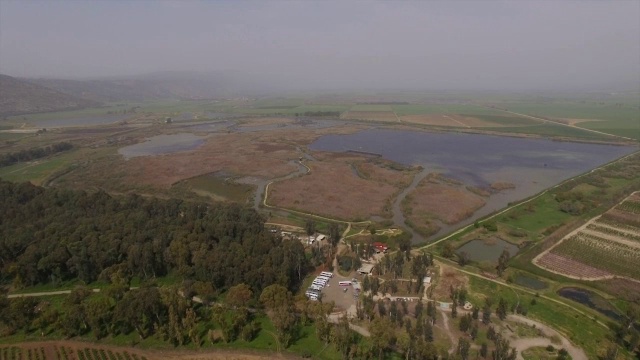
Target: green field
[(37, 171), (418, 109), (371, 107), (217, 188)]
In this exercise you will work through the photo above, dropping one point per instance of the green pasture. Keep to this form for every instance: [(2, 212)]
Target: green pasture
[(444, 108), (553, 130), (37, 171), (371, 107), (595, 110)]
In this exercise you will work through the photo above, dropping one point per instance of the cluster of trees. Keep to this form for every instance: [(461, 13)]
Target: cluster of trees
[(53, 235), (33, 153), (148, 310)]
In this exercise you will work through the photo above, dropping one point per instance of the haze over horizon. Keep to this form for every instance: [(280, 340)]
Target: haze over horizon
[(467, 45)]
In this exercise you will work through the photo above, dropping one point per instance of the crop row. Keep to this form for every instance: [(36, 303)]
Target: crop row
[(65, 353), (618, 224), (629, 206), (612, 231), (10, 353), (570, 267), (600, 253)]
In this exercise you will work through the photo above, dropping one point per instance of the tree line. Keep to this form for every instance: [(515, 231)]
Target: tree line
[(50, 235), (33, 153)]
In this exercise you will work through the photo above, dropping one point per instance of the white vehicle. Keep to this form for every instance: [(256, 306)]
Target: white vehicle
[(318, 283), (327, 274), (323, 278), (344, 283), (316, 287)]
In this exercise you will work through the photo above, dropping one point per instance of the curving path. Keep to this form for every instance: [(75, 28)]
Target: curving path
[(525, 343)]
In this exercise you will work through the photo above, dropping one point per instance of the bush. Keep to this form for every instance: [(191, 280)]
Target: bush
[(491, 226)]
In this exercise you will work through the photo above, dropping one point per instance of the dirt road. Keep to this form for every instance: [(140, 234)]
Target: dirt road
[(525, 343)]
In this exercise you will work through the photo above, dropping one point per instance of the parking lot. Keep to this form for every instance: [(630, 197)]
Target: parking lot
[(336, 293)]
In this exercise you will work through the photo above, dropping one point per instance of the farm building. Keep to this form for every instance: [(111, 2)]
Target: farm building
[(366, 269), (380, 247)]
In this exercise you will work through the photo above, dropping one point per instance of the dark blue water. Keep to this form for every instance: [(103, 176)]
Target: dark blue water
[(467, 157)]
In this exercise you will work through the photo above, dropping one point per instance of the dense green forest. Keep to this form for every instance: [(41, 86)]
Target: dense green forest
[(33, 153), (54, 235)]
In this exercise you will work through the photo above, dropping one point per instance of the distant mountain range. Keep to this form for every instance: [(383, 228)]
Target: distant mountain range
[(29, 95), (18, 96)]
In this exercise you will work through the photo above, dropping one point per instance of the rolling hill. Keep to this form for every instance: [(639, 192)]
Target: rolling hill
[(18, 96)]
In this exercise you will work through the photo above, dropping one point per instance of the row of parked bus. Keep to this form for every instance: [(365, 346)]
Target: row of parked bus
[(314, 291)]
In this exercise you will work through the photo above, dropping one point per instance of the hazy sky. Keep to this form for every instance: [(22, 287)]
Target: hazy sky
[(428, 44)]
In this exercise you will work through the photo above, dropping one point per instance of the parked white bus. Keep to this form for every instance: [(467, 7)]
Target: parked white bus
[(344, 283), (327, 274), (323, 278), (319, 283)]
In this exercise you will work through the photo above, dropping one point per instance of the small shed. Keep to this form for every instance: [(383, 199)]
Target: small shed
[(366, 269)]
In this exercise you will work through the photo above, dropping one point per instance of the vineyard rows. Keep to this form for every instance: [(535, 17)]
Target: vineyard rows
[(612, 256), (65, 353), (606, 230), (629, 206), (618, 225), (570, 267)]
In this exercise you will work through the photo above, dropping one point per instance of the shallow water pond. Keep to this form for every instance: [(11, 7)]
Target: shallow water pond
[(162, 144), (590, 299), (487, 250)]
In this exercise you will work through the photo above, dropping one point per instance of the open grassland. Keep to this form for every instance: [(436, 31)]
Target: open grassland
[(365, 189), (370, 115), (442, 108), (39, 170), (617, 117), (371, 108), (591, 110)]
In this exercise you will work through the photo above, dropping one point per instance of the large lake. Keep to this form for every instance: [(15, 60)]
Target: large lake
[(530, 164)]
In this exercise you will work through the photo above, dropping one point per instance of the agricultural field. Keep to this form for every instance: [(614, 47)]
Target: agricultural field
[(369, 115), (66, 351), (604, 247), (618, 116)]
